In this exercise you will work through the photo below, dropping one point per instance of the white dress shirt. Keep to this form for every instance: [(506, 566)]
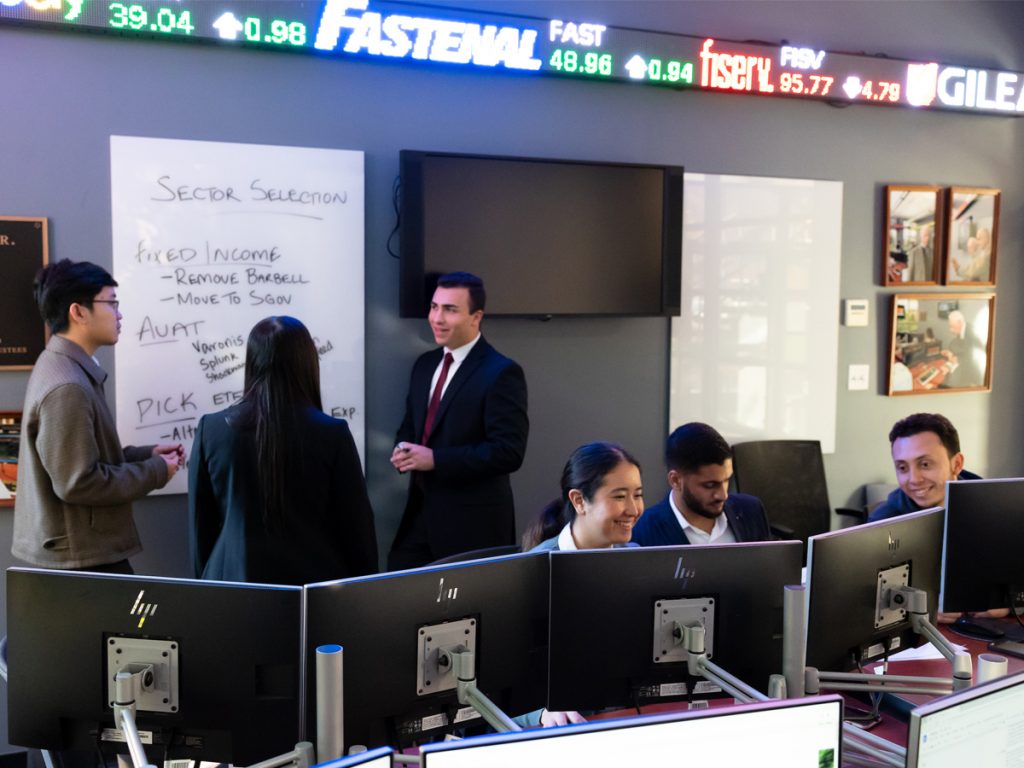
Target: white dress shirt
[(458, 355), (566, 543), (720, 534)]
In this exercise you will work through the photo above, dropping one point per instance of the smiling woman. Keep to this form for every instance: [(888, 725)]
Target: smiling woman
[(601, 500)]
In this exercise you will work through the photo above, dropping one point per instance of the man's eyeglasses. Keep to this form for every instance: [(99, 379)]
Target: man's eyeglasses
[(114, 304)]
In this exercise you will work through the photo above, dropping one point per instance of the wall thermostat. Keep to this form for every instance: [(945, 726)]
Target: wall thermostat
[(855, 312)]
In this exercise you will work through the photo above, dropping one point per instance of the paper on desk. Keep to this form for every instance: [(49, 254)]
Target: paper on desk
[(921, 653)]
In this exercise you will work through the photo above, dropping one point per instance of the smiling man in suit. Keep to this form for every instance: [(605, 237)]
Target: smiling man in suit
[(699, 508), (463, 434)]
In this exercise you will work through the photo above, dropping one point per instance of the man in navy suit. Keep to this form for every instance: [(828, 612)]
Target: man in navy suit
[(463, 434), (699, 508)]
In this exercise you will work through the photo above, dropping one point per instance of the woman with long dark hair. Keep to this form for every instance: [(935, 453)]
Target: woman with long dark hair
[(276, 491), (601, 500)]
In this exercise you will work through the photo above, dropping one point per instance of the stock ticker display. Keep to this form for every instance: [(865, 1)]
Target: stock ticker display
[(572, 48)]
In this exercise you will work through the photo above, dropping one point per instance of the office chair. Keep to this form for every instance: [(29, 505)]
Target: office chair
[(789, 478), (479, 554)]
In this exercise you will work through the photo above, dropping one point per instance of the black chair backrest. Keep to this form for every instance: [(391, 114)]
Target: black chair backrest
[(479, 554), (789, 478)]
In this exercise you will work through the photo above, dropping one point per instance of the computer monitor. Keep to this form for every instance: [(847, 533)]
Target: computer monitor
[(225, 660), (850, 572), (982, 565), (980, 726), (613, 613), (498, 607), (793, 733), (373, 758)]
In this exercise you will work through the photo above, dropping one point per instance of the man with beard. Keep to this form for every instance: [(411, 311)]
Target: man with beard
[(699, 508)]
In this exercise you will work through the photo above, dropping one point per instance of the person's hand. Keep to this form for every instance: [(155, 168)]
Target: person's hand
[(410, 457), (175, 449), (173, 464), (173, 455), (551, 719), (956, 265), (895, 271)]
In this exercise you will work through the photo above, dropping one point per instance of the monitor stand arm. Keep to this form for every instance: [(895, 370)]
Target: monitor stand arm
[(127, 684), (872, 749), (699, 665), (303, 756), (961, 660), (915, 602), (463, 663)]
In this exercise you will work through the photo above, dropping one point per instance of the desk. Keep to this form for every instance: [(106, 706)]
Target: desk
[(892, 727), (930, 374)]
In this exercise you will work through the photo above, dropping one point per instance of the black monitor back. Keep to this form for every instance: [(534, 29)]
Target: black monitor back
[(982, 563), (239, 653), (602, 618), (376, 620), (843, 576)]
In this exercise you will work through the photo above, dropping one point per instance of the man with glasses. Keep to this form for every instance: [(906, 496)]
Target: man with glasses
[(76, 483)]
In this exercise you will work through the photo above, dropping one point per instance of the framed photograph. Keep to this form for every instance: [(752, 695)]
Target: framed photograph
[(972, 231), (942, 343), (23, 251), (912, 216), (10, 433)]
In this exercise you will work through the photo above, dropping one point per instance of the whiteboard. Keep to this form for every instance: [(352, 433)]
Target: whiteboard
[(208, 239), (754, 351)]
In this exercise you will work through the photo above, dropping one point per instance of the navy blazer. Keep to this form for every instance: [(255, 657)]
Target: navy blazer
[(329, 532), (478, 438), (658, 526)]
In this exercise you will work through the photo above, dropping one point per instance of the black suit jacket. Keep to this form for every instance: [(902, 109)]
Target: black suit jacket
[(329, 532), (478, 438), (658, 526)]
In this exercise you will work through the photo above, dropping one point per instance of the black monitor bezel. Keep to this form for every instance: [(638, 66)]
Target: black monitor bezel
[(378, 615), (602, 618), (976, 534), (833, 561), (57, 697)]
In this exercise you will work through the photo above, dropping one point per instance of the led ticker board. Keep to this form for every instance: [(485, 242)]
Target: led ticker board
[(576, 48)]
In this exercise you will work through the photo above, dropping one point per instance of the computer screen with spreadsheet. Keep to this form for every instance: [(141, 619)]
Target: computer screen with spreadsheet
[(798, 733), (981, 726)]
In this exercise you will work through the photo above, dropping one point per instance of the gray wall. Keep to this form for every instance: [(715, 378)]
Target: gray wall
[(63, 95)]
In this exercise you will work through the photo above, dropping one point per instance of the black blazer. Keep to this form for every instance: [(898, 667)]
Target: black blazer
[(658, 526), (329, 532), (478, 438)]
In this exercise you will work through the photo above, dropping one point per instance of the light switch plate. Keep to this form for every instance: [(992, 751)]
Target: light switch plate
[(858, 377)]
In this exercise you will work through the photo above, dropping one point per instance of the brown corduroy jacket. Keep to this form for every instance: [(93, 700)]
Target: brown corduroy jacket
[(75, 481)]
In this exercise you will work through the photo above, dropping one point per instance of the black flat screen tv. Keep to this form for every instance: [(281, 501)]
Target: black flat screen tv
[(548, 237)]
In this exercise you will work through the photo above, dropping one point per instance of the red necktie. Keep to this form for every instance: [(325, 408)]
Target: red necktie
[(435, 399)]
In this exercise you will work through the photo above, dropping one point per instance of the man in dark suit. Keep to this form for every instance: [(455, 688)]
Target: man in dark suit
[(464, 432), (699, 508)]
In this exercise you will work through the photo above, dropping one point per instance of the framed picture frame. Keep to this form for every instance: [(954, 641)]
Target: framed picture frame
[(972, 230), (10, 435), (23, 251), (942, 343), (911, 235)]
